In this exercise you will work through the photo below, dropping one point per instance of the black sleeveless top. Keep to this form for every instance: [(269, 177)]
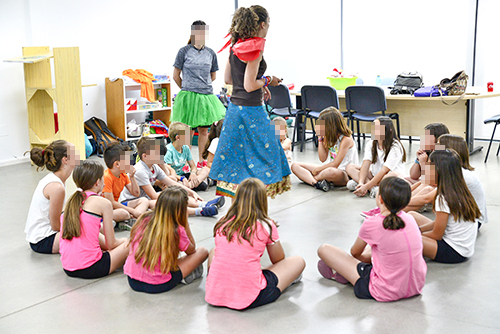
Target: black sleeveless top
[(240, 96)]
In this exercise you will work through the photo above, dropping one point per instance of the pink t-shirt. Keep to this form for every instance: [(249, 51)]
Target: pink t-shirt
[(84, 251), (398, 265), (235, 278), (138, 272)]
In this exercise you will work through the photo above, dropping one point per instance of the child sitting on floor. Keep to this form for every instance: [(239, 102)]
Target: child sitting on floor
[(118, 159), (386, 261), (336, 143), (384, 156), (179, 157), (153, 265), (280, 128), (235, 279), (151, 153), (86, 253)]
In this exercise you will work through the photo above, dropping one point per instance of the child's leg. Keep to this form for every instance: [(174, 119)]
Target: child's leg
[(120, 215), (55, 245), (141, 204), (417, 195), (287, 270), (210, 258), (304, 172), (190, 262), (430, 247), (340, 261), (420, 219), (335, 175), (118, 255), (353, 171)]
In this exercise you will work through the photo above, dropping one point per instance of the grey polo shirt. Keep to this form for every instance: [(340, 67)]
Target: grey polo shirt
[(196, 66)]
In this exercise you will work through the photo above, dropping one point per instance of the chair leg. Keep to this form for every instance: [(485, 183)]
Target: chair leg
[(397, 124), (294, 133), (359, 139), (315, 139), (491, 140), (409, 139)]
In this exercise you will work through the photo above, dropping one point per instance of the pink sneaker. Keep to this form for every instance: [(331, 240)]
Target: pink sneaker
[(329, 273), (205, 163), (371, 213)]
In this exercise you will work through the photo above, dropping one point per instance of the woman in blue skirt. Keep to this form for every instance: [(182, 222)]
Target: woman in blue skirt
[(196, 105), (248, 145)]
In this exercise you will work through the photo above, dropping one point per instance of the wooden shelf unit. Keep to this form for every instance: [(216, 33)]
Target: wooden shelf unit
[(117, 92), (41, 95)]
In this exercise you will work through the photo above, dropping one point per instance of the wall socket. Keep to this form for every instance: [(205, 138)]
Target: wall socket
[(3, 131)]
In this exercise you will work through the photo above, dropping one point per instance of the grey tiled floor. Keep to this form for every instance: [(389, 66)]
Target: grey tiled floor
[(36, 295)]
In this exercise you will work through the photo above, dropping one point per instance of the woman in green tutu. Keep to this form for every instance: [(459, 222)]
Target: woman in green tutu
[(196, 105)]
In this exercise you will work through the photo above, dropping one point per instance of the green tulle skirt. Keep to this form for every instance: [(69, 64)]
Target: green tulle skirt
[(196, 109)]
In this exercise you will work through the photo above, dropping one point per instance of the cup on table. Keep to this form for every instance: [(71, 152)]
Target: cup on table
[(490, 87)]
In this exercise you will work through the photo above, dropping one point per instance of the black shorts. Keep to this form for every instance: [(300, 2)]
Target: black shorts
[(361, 288), (97, 270), (156, 288), (446, 254), (270, 293), (45, 245)]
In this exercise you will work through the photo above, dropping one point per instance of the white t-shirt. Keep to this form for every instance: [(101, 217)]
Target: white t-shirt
[(476, 189), (460, 235), (144, 176), (212, 148), (38, 221), (351, 157), (394, 160)]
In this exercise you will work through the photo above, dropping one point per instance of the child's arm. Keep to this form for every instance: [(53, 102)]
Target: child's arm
[(118, 205), (435, 230), (345, 144), (193, 178), (276, 252), (150, 191), (169, 182), (286, 144), (192, 243), (210, 159), (415, 185), (55, 193), (106, 209), (227, 74), (421, 200), (133, 186), (322, 150), (358, 251), (363, 188), (416, 169)]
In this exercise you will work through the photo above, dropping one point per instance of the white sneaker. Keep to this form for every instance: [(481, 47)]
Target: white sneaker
[(373, 192), (351, 185)]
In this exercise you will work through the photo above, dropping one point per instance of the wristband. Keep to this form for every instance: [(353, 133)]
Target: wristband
[(320, 138), (266, 80), (416, 161)]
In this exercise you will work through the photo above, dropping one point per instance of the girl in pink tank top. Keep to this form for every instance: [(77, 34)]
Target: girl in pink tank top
[(85, 252)]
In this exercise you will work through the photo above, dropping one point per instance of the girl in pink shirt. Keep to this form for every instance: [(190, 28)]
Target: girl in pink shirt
[(85, 252), (157, 238), (392, 267), (235, 279)]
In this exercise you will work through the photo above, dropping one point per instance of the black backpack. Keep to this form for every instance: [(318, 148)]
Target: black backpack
[(102, 135), (407, 83)]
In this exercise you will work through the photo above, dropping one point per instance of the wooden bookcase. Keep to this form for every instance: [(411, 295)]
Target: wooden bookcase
[(117, 93), (41, 95)]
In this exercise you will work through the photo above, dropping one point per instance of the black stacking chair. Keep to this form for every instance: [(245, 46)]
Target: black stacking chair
[(280, 104), (314, 100), (496, 120), (365, 104)]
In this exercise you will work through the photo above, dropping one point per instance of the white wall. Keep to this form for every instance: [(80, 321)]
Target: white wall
[(380, 37)]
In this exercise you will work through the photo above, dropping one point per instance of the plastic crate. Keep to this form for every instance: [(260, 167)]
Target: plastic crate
[(342, 83)]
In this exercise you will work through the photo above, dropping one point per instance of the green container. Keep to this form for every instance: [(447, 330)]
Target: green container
[(342, 83)]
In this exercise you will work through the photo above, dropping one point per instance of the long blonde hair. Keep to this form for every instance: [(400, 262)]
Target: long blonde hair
[(85, 176), (249, 208), (156, 231)]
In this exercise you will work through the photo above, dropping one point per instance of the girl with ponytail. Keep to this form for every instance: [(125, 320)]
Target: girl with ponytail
[(398, 268), (247, 148), (85, 252), (43, 222)]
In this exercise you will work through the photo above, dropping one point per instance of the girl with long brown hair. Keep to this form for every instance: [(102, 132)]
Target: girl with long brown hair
[(85, 252), (43, 222), (156, 240), (384, 156), (451, 236), (235, 278), (336, 145)]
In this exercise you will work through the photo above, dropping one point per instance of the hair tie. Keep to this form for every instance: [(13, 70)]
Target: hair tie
[(79, 189), (43, 151), (215, 123)]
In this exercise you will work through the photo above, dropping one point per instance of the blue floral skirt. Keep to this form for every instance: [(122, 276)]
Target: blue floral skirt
[(248, 147)]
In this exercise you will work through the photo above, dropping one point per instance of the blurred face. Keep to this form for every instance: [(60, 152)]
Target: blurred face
[(126, 163), (183, 137), (155, 153), (429, 173), (72, 156), (428, 143), (320, 128), (378, 131), (199, 34), (279, 130)]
